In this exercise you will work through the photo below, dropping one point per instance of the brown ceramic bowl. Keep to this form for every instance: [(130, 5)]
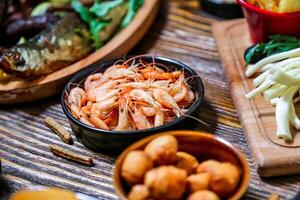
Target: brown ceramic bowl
[(203, 146)]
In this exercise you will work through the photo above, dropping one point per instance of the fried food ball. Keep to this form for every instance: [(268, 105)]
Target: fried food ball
[(139, 192), (135, 166), (162, 150), (225, 179), (166, 182), (187, 162), (209, 166), (203, 195), (198, 182)]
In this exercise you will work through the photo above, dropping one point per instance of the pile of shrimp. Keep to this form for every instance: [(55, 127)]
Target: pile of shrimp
[(131, 97)]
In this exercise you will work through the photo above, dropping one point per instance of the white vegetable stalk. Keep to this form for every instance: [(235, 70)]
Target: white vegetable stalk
[(274, 101), (282, 113), (285, 78), (260, 79), (265, 85), (271, 59), (279, 81), (274, 91), (293, 116), (266, 67)]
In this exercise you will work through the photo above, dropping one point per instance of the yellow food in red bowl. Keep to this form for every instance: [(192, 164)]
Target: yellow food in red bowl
[(281, 6)]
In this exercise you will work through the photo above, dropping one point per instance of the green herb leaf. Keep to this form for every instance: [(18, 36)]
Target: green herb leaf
[(97, 16), (254, 53), (95, 28), (82, 10), (101, 9), (133, 6), (277, 44)]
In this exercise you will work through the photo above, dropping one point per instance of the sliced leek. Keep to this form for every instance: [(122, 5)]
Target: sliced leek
[(279, 82)]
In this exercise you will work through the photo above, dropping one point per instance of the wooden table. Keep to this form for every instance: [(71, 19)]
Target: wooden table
[(181, 31)]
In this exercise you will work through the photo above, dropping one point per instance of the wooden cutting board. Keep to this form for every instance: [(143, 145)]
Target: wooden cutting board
[(20, 90), (273, 156)]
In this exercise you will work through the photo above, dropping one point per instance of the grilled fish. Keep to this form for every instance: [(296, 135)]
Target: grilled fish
[(54, 48)]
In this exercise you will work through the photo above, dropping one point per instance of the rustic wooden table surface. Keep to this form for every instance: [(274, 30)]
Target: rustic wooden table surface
[(181, 31)]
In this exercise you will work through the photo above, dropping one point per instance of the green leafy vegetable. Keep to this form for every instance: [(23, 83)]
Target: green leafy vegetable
[(133, 7), (95, 28), (98, 16), (254, 53), (95, 25), (101, 9), (277, 44), (84, 13)]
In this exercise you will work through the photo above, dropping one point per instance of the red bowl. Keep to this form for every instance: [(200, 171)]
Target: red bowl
[(263, 23)]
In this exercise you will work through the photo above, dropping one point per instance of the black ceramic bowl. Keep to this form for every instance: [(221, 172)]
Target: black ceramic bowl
[(220, 8), (114, 141)]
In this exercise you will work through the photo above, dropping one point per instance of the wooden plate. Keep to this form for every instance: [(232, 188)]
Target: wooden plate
[(199, 144), (273, 156), (19, 90)]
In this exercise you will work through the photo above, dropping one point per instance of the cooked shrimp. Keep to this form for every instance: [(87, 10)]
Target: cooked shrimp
[(104, 107), (92, 81), (124, 73), (147, 70), (98, 123), (139, 119), (159, 119), (98, 91), (134, 85), (131, 95), (178, 96), (148, 111), (83, 115), (141, 95), (162, 76), (146, 84), (134, 67), (164, 98), (93, 119), (161, 83), (111, 117), (76, 99), (113, 68), (107, 94), (176, 87), (190, 96), (123, 123)]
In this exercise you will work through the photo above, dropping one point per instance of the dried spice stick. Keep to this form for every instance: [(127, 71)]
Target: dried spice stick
[(274, 196), (59, 130), (60, 151)]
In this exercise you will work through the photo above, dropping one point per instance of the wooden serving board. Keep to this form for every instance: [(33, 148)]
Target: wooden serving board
[(20, 90), (273, 156)]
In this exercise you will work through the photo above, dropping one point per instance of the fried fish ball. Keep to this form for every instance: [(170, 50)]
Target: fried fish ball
[(208, 166), (162, 150), (203, 195), (187, 162), (198, 182), (135, 166), (166, 182), (139, 192), (225, 179)]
